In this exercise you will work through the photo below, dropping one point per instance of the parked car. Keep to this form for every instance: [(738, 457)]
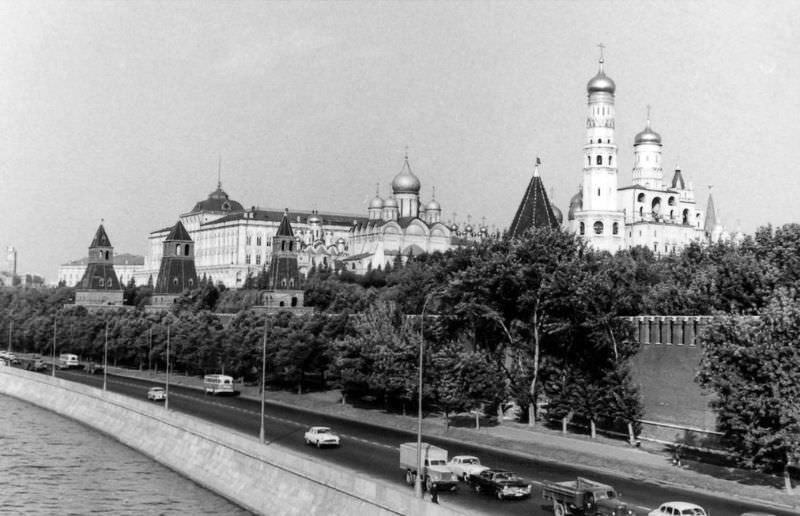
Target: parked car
[(463, 466), (321, 436), (10, 357), (678, 509), (156, 394), (500, 483)]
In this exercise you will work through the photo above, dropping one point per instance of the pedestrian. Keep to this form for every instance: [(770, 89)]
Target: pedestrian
[(434, 494)]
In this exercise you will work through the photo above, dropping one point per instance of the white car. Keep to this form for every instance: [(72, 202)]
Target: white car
[(156, 394), (321, 436), (463, 466), (678, 509)]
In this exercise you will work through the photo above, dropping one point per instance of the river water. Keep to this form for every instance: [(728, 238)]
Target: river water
[(53, 465)]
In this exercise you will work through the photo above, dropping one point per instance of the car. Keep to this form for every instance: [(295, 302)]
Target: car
[(500, 483), (321, 436), (156, 394), (678, 509), (9, 357), (465, 465)]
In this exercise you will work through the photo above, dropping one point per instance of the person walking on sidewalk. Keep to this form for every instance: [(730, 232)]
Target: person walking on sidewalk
[(434, 494)]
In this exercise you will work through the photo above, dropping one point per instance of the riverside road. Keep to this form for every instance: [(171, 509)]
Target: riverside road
[(374, 451)]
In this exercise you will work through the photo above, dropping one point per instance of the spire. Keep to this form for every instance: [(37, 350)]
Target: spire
[(219, 172), (535, 209), (536, 167), (433, 195), (601, 46), (285, 229), (711, 215), (648, 116), (100, 237)]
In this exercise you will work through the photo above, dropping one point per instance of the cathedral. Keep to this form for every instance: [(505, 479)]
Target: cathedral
[(653, 211), (398, 227)]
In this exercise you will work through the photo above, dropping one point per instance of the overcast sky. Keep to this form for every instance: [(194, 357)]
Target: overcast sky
[(119, 110)]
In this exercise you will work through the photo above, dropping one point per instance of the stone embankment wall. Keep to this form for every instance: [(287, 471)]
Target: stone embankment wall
[(263, 479)]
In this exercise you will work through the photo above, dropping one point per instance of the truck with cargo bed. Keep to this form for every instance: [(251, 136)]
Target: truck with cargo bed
[(434, 466), (584, 497)]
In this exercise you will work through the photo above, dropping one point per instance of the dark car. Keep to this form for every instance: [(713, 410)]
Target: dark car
[(500, 483)]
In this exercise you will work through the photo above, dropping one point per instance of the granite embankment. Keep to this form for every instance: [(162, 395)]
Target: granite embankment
[(262, 479)]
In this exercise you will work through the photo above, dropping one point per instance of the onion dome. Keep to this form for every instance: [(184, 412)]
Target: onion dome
[(405, 182), (314, 218), (390, 203), (468, 229), (647, 136), (484, 230), (341, 241), (453, 227), (557, 214), (601, 83), (575, 204), (377, 202), (433, 206)]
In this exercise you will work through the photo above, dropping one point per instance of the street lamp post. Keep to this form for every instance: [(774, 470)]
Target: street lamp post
[(166, 395), (105, 360), (10, 329), (418, 482), (263, 377), (54, 345)]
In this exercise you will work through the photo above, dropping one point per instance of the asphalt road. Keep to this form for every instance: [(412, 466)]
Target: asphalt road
[(374, 451)]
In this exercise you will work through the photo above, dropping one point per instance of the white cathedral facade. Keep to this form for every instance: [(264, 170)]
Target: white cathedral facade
[(650, 212)]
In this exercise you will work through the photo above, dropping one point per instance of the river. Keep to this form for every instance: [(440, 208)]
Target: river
[(53, 465)]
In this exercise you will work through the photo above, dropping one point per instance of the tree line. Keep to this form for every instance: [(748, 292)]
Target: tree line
[(534, 322)]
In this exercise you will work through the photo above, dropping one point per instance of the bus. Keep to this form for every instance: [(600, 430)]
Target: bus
[(68, 361), (216, 383)]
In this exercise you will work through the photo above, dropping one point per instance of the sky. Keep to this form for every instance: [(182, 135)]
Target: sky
[(121, 111)]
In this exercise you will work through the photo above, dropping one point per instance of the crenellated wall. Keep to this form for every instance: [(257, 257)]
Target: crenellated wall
[(676, 408)]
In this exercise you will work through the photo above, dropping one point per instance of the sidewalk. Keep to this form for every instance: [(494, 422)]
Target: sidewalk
[(648, 464)]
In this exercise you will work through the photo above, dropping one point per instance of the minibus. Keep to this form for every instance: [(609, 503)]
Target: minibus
[(215, 383), (68, 361)]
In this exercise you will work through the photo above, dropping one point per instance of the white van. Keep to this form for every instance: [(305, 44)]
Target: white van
[(215, 383), (68, 361)]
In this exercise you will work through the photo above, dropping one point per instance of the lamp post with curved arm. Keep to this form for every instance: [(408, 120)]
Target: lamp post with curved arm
[(166, 390), (263, 377), (418, 481)]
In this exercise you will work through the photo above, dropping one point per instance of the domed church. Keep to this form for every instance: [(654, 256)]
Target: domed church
[(650, 212), (398, 227)]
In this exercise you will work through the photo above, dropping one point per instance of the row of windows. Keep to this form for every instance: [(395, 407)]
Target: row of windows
[(598, 227), (599, 160)]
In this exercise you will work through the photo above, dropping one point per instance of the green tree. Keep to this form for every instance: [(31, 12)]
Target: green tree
[(753, 366)]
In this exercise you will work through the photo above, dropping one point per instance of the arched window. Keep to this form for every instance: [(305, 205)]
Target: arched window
[(190, 282), (177, 249), (685, 217), (598, 228), (283, 245), (591, 142), (107, 253), (615, 228), (291, 245), (186, 249), (610, 158), (599, 159), (101, 282), (294, 301), (175, 281), (588, 160), (640, 197), (641, 211), (671, 200), (582, 229)]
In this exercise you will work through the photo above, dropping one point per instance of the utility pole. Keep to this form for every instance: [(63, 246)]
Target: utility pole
[(166, 399), (105, 360), (54, 346), (263, 377)]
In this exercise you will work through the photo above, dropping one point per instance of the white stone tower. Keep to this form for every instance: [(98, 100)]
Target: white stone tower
[(647, 169), (599, 220)]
